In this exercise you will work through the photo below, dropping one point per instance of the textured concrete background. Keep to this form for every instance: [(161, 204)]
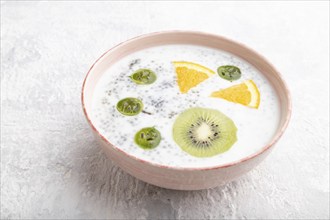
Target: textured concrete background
[(51, 166)]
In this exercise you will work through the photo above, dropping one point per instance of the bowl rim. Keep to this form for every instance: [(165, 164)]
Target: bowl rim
[(226, 165)]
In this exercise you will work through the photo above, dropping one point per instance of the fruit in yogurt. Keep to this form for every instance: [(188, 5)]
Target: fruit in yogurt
[(164, 101), (130, 106), (203, 132), (147, 138), (229, 72), (246, 93), (190, 74), (143, 77)]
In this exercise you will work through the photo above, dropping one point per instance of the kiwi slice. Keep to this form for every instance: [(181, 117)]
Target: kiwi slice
[(130, 106), (143, 76), (229, 72), (203, 132), (147, 138)]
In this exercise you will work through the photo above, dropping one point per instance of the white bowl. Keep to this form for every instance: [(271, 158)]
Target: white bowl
[(185, 178)]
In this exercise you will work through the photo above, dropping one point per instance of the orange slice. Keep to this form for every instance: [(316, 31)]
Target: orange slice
[(190, 74), (245, 93)]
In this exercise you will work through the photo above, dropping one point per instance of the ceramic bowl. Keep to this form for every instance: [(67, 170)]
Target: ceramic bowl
[(185, 178)]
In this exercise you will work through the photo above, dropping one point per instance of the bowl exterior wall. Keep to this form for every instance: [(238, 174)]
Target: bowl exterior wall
[(185, 179)]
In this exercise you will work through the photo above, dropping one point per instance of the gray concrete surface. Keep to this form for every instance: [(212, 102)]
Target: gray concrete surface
[(51, 167)]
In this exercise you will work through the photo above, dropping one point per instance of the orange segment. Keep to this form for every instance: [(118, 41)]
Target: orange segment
[(245, 93), (190, 74)]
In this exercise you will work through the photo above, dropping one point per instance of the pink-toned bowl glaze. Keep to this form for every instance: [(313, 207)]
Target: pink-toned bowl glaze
[(184, 178)]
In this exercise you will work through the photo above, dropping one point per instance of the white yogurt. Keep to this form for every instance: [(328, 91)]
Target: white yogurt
[(255, 127)]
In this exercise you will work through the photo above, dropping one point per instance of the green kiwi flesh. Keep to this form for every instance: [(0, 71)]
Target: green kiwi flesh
[(203, 132)]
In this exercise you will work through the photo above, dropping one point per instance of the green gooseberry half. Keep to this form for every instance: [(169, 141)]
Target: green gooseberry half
[(143, 77), (147, 138), (229, 72), (130, 106)]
